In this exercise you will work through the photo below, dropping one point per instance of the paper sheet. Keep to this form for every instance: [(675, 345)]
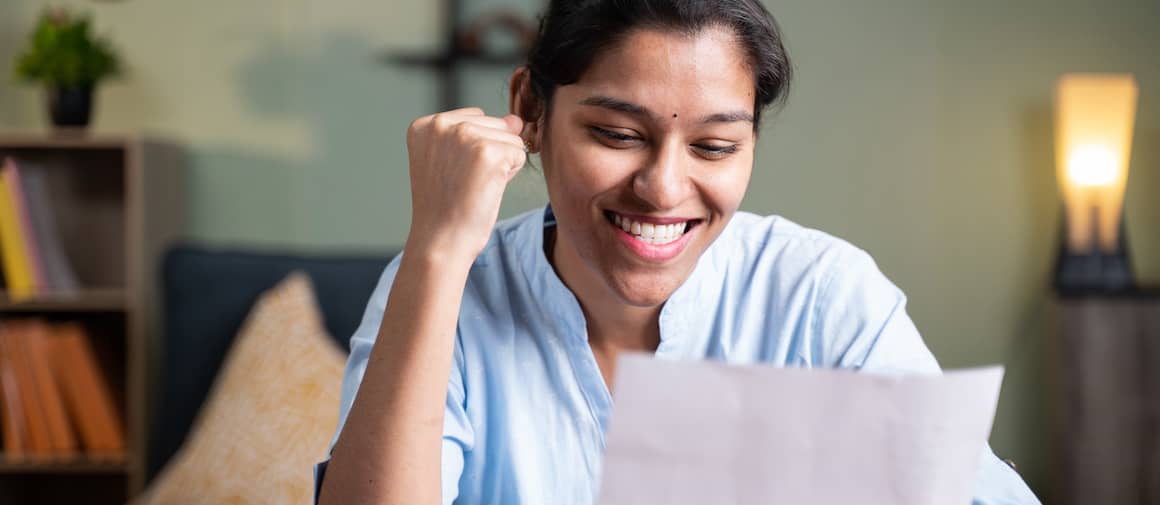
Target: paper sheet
[(686, 433)]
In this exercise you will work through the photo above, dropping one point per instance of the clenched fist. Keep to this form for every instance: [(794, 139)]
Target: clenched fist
[(461, 162)]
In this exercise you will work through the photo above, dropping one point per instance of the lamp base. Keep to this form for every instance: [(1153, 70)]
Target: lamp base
[(1095, 272)]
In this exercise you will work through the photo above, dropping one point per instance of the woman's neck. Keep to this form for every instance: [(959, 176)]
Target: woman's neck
[(612, 325)]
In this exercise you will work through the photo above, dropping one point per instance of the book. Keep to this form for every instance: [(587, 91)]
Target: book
[(58, 270), (12, 181), (39, 442), (34, 333), (11, 407), (87, 395), (17, 274)]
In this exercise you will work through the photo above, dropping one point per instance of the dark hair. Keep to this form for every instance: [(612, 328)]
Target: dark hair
[(573, 32)]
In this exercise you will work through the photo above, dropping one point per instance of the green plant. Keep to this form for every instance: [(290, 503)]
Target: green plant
[(64, 52)]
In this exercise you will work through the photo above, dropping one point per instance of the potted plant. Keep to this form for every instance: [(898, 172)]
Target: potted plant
[(70, 61)]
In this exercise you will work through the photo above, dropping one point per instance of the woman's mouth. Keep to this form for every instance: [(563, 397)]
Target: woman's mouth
[(655, 239)]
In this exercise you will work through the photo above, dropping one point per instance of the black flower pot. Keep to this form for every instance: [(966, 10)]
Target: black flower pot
[(71, 106)]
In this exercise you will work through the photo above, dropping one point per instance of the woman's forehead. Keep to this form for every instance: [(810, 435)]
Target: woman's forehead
[(667, 71)]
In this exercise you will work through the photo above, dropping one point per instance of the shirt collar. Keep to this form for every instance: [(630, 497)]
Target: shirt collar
[(554, 299), (561, 305)]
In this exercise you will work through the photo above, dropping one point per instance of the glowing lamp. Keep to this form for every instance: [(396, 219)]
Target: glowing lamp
[(1095, 115)]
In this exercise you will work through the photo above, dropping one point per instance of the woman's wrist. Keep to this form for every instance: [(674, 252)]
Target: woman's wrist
[(433, 257)]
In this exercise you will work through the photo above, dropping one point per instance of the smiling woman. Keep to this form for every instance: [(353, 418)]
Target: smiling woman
[(481, 372), (612, 151)]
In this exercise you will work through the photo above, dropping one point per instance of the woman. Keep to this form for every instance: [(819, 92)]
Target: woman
[(645, 114)]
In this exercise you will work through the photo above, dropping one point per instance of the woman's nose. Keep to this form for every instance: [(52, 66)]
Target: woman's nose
[(664, 181)]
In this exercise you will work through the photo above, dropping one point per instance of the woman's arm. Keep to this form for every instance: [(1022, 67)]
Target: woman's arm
[(389, 449)]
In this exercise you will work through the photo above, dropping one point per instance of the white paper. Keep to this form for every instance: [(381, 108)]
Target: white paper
[(701, 433)]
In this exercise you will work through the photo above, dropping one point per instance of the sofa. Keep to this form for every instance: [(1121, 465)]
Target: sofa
[(207, 294)]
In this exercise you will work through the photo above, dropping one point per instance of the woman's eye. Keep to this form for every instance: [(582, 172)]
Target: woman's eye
[(716, 151), (622, 139)]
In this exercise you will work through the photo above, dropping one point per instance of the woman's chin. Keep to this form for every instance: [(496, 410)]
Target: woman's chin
[(645, 289)]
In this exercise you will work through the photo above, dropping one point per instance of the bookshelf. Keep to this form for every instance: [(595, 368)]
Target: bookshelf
[(117, 204), (66, 467)]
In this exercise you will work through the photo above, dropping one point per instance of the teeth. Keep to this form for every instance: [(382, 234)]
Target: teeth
[(650, 233)]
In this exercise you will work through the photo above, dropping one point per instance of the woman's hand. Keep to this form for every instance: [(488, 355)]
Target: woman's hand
[(389, 448), (461, 162)]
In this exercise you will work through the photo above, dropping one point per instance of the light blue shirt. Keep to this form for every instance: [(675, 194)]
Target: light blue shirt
[(527, 408)]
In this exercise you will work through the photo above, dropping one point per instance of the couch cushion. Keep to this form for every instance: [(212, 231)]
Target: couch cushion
[(270, 414), (207, 294)]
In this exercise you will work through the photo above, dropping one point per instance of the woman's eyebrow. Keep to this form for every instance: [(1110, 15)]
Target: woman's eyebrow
[(633, 109), (728, 117), (618, 105)]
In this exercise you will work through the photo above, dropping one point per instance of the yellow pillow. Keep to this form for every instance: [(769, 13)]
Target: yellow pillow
[(270, 414)]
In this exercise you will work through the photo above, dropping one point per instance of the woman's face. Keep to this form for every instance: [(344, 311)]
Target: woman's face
[(646, 158)]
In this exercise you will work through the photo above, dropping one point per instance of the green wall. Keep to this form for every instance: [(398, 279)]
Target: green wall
[(918, 129)]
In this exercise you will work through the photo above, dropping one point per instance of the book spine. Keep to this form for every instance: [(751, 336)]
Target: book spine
[(88, 394), (15, 433), (28, 237), (34, 334), (39, 443), (61, 276), (20, 283)]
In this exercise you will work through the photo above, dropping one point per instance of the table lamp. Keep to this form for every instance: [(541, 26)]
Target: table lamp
[(1094, 119)]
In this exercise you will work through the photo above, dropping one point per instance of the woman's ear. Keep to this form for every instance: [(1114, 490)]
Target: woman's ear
[(524, 103)]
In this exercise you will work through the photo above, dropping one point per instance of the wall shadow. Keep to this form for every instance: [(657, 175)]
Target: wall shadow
[(354, 189), (339, 198)]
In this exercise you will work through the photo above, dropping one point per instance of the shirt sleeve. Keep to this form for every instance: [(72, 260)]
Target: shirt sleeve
[(458, 436), (863, 321)]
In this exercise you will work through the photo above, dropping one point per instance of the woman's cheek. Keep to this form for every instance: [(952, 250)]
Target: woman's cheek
[(597, 169), (728, 184)]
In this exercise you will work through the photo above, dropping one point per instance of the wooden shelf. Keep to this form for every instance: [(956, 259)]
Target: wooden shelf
[(448, 58), (117, 200), (74, 465), (457, 51), (97, 300), (63, 139), (1141, 292)]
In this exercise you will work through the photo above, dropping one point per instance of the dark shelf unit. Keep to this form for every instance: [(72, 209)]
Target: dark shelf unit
[(1103, 371), (117, 199), (446, 63)]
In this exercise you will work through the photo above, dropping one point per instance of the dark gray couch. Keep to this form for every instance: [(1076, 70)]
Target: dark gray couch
[(207, 295)]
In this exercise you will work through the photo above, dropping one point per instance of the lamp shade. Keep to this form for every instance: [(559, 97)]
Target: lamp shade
[(1095, 115)]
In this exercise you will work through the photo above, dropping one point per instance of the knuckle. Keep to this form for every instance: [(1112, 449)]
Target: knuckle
[(481, 151), (441, 122), (463, 132), (499, 156), (518, 158), (416, 128), (418, 123)]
